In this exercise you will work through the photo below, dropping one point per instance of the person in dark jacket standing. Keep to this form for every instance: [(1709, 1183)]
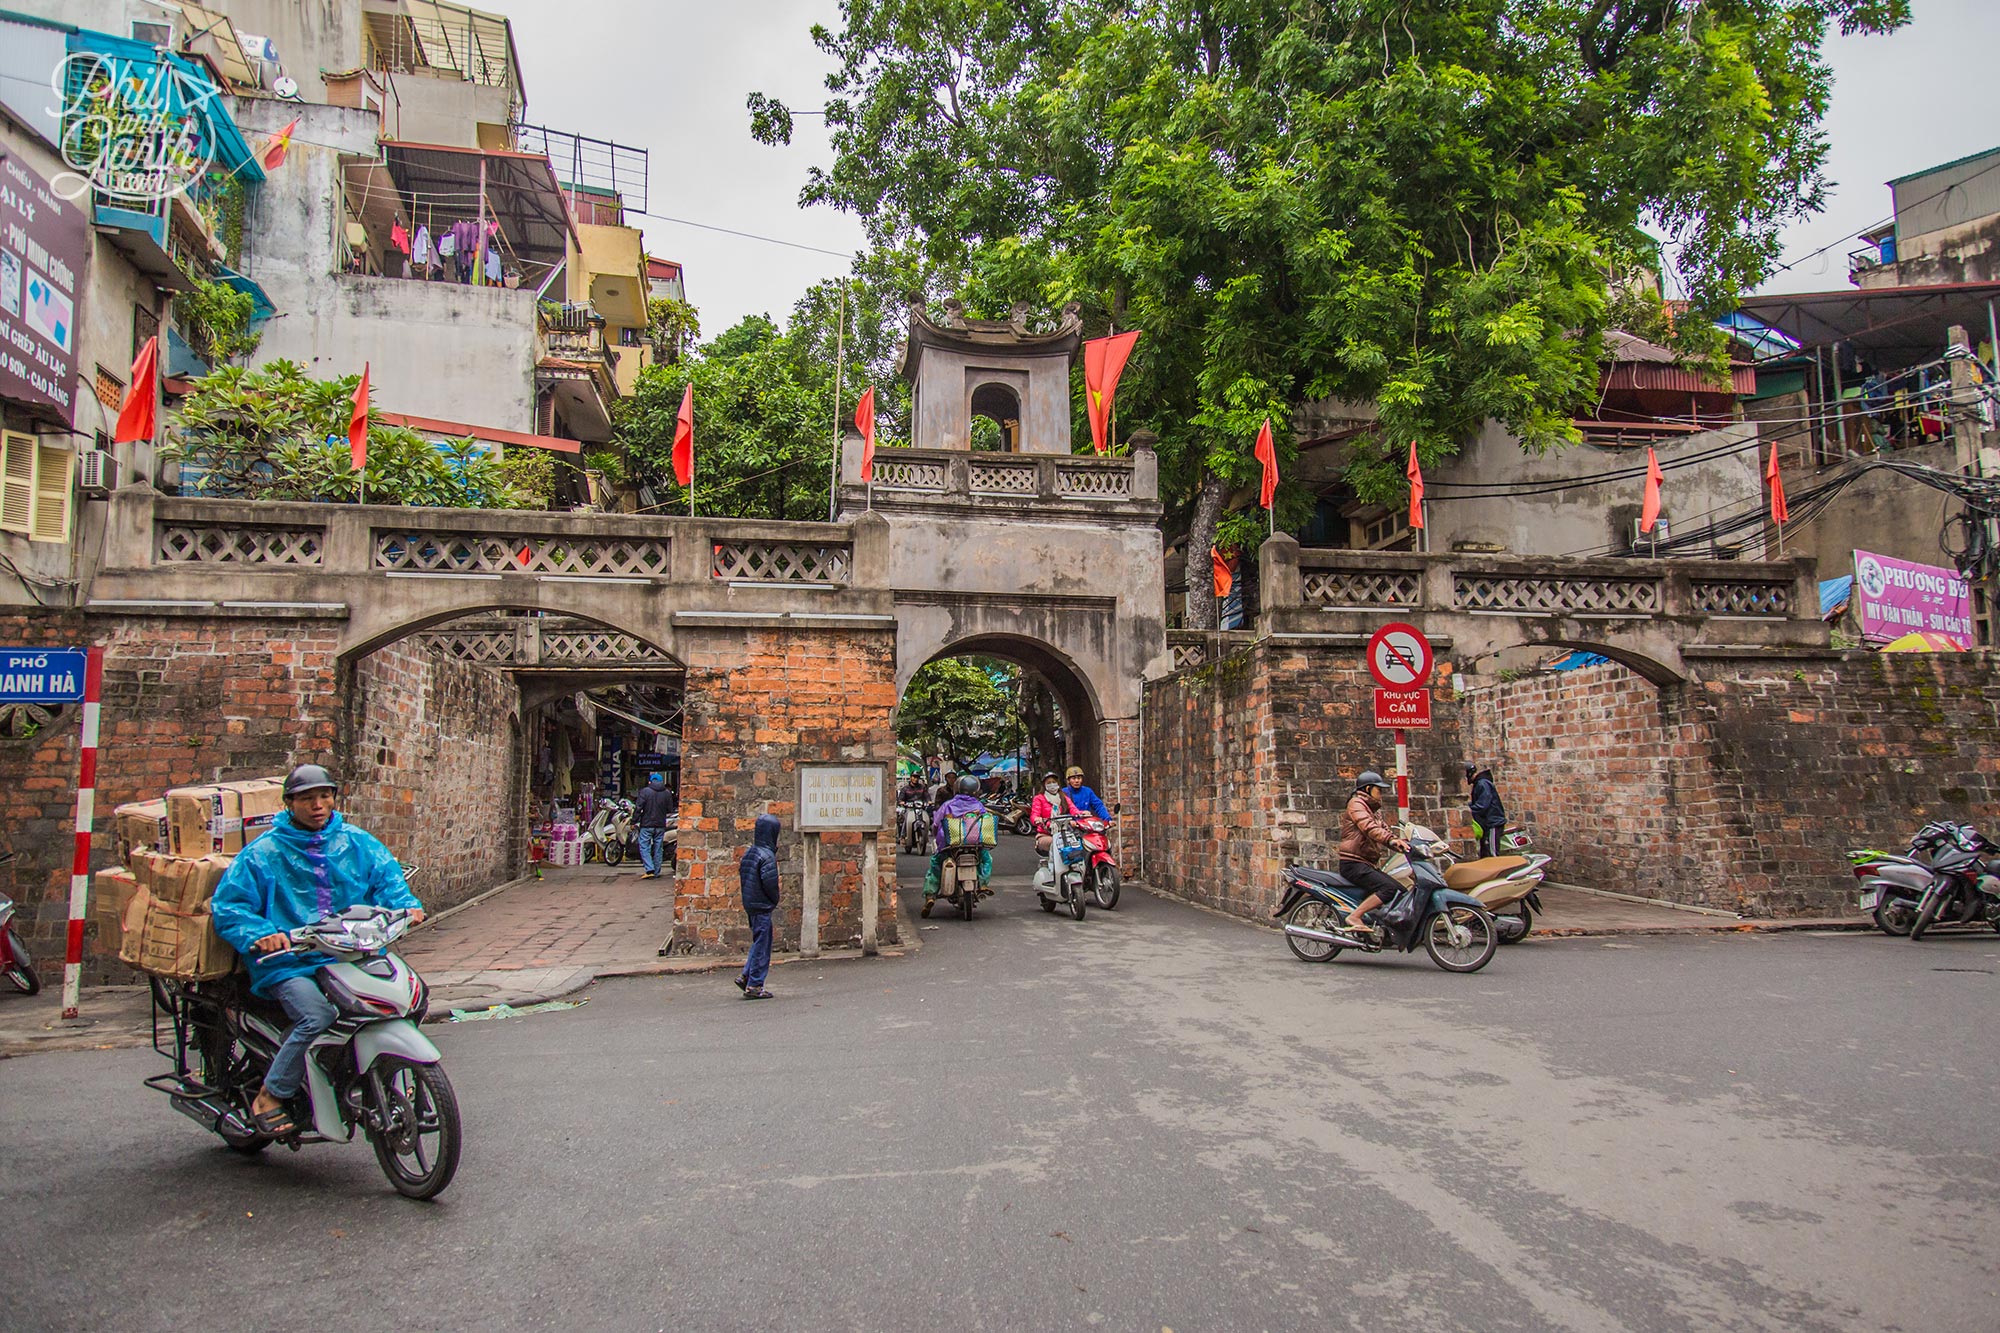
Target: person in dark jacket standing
[(656, 811), (1489, 817), (759, 873)]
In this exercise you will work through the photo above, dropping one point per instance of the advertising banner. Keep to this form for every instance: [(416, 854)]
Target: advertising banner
[(42, 246), (1896, 597)]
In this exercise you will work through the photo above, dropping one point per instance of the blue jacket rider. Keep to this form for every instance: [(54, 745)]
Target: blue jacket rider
[(312, 863), (1081, 797)]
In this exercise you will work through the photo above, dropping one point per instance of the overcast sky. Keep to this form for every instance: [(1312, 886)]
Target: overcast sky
[(670, 76)]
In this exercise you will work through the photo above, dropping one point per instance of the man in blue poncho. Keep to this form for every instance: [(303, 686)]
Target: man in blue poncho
[(312, 863)]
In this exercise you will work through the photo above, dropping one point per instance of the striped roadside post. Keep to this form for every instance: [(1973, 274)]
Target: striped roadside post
[(86, 813)]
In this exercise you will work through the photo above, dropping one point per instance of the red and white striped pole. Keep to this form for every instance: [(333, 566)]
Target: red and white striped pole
[(86, 814), (1402, 776)]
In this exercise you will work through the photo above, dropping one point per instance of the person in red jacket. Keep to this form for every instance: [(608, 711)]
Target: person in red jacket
[(1048, 803)]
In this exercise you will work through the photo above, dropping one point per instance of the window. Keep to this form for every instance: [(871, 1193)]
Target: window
[(145, 324), (35, 488), (152, 34)]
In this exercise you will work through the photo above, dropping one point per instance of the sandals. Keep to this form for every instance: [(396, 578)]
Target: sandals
[(276, 1122)]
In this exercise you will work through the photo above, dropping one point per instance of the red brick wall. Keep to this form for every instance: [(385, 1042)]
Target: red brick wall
[(1250, 760), (432, 767), (758, 702)]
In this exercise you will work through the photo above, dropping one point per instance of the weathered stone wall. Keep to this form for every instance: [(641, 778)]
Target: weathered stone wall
[(432, 766), (1742, 791), (1250, 760), (760, 701)]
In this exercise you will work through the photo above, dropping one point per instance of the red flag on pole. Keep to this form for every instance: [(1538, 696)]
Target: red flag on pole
[(1103, 362), (1224, 580), (1649, 511), (1416, 475), (357, 423), (279, 144), (1267, 454), (684, 439), (139, 412), (1780, 514), (864, 421)]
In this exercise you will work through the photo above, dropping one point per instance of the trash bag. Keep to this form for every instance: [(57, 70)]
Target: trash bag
[(1404, 914)]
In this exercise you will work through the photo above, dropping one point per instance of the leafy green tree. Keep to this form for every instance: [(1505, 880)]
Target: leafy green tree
[(1408, 203), (764, 407), (961, 707), (275, 433)]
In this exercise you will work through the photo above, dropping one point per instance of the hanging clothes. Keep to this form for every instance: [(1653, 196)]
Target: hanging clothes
[(399, 237), (447, 245), (492, 266), (421, 251)]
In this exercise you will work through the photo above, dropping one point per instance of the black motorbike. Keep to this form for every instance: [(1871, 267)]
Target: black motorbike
[(1454, 928), (1964, 888)]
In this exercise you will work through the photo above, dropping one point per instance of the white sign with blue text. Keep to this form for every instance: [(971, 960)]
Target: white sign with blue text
[(41, 675)]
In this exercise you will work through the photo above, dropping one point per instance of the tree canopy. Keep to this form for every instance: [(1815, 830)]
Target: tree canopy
[(1421, 205), (962, 707)]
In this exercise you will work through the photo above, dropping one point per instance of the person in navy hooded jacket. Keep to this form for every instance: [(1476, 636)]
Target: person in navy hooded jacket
[(759, 875)]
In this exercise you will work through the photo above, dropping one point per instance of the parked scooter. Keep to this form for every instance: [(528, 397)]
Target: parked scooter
[(372, 1071), (1059, 880), (1507, 886), (15, 962), (1892, 885), (1100, 868), (613, 834), (1454, 927), (1012, 813), (1964, 889)]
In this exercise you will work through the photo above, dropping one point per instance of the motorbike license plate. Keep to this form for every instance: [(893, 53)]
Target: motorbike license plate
[(1870, 899)]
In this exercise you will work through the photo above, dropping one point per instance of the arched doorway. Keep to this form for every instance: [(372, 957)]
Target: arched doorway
[(996, 419)]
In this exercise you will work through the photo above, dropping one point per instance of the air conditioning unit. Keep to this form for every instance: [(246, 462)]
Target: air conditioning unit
[(1645, 541), (97, 472)]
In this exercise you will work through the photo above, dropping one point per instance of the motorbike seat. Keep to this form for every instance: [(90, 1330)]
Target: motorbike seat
[(1470, 874), (1324, 878)]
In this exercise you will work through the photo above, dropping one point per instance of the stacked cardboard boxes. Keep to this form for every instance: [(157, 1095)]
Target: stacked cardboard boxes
[(155, 909)]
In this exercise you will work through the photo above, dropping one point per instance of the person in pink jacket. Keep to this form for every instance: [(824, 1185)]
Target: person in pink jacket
[(1047, 804)]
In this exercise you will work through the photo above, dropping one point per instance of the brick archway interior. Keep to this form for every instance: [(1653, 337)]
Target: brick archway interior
[(1082, 722)]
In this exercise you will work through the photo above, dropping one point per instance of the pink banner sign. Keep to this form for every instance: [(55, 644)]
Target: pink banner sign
[(1896, 597)]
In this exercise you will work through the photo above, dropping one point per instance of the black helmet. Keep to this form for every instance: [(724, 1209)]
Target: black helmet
[(1370, 778), (309, 777), (968, 785)]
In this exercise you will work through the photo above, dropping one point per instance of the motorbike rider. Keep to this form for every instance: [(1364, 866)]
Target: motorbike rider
[(310, 864), (1489, 817), (1046, 806), (1363, 838), (966, 802), (944, 790), (656, 810), (1083, 800)]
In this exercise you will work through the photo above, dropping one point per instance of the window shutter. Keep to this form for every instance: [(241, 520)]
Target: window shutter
[(17, 483), (53, 464)]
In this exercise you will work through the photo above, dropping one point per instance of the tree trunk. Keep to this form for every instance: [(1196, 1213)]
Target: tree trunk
[(1202, 612)]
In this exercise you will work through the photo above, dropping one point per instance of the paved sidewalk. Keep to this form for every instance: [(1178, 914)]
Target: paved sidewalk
[(1576, 911)]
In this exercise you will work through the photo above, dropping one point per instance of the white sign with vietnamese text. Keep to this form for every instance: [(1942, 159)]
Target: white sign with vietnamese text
[(841, 796)]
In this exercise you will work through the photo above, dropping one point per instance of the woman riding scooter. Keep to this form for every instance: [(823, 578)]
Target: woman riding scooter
[(966, 802), (1046, 805)]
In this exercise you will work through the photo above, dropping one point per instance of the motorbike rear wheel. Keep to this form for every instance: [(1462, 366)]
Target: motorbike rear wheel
[(21, 972), (1515, 934), (418, 1149), (1460, 939), (1313, 914), (1023, 826), (614, 853), (965, 898), (1895, 916), (1104, 886), (1927, 914)]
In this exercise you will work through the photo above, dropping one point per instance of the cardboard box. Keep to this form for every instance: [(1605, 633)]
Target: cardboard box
[(182, 945), (134, 925), (180, 883), (139, 824), (204, 819), (261, 800), (110, 894)]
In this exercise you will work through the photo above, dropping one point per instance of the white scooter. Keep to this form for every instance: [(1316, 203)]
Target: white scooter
[(373, 1070), (1059, 879), (613, 833)]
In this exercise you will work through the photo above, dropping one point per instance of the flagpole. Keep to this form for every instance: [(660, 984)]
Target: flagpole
[(1111, 422), (839, 376)]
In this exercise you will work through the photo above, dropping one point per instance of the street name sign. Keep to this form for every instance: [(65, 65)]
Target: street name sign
[(841, 796), (41, 675), (1399, 656), (1403, 710)]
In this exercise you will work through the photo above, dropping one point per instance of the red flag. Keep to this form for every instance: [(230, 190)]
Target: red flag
[(278, 145), (1780, 514), (1103, 362), (139, 411), (864, 421), (1416, 475), (1267, 454), (357, 423), (1224, 580), (1649, 511), (684, 439)]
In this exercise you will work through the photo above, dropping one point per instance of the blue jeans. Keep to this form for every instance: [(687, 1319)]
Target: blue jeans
[(312, 1013), (650, 841), (758, 965)]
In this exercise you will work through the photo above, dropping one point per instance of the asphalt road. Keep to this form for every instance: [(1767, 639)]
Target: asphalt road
[(1153, 1118)]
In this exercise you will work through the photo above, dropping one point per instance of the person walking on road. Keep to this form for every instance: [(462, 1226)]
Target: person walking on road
[(759, 875), (656, 810), (1489, 817)]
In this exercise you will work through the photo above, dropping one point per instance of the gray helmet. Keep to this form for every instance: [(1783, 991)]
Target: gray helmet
[(1370, 778), (309, 777), (968, 785)]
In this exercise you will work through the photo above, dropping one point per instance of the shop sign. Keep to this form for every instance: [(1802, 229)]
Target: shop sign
[(1896, 597), (43, 240)]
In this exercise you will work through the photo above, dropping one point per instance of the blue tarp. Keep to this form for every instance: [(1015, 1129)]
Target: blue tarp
[(1834, 595), (1576, 661)]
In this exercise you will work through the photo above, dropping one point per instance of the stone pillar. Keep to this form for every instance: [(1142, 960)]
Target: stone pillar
[(870, 565), (128, 528), (1145, 466), (1280, 586)]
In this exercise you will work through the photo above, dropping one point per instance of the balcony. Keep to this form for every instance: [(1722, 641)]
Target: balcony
[(575, 367)]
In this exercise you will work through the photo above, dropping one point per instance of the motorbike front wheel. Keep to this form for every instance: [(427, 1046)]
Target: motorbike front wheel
[(1461, 939), (1076, 903), (1927, 915), (1312, 914), (1104, 887), (1023, 826), (418, 1144), (21, 972)]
